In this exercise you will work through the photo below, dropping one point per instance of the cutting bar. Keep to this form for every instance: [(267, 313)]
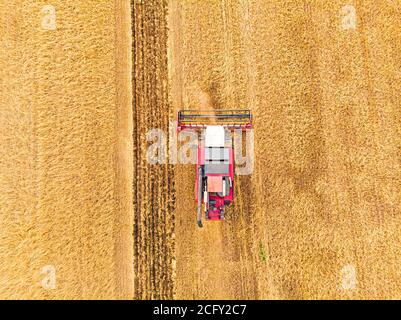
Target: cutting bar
[(232, 119)]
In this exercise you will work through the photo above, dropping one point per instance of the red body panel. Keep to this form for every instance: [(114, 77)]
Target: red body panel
[(220, 201)]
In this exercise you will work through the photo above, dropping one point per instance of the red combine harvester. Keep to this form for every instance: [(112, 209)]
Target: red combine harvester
[(214, 184)]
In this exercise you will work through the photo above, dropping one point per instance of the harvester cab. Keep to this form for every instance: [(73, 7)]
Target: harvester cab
[(214, 186)]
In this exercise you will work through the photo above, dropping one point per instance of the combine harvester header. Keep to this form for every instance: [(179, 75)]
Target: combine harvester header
[(231, 119), (214, 186)]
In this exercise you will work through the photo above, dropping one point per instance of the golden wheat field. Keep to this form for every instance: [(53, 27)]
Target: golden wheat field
[(65, 141), (86, 215)]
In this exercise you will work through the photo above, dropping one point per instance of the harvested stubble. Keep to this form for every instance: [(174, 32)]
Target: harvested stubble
[(153, 183)]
